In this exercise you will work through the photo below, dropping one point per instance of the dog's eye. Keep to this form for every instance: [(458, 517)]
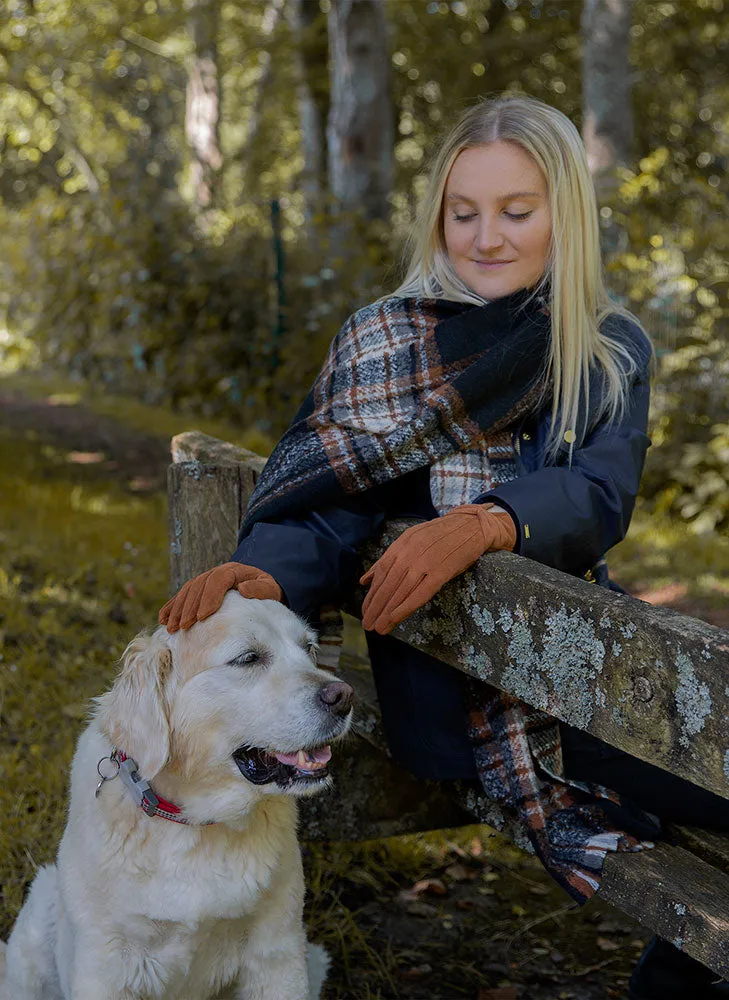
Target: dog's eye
[(245, 659), (312, 648)]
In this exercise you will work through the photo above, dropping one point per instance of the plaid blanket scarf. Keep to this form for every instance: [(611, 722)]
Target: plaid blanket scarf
[(414, 382)]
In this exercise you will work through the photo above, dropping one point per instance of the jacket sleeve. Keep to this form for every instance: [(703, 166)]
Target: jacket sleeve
[(313, 557), (568, 517)]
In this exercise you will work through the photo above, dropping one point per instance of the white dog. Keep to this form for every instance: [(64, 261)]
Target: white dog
[(227, 723)]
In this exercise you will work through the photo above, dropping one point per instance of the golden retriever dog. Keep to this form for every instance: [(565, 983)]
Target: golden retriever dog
[(179, 874)]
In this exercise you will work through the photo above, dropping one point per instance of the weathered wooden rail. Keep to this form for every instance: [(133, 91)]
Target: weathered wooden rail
[(648, 680)]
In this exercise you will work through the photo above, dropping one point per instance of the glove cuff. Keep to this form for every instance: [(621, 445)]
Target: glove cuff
[(499, 532)]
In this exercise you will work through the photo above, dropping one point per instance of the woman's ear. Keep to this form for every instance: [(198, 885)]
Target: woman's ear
[(135, 713)]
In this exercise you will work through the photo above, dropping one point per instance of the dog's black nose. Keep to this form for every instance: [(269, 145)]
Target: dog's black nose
[(337, 696)]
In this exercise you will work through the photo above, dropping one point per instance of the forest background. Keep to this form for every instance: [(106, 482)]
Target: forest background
[(194, 195)]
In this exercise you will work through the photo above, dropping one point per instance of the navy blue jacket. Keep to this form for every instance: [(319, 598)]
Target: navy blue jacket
[(566, 517)]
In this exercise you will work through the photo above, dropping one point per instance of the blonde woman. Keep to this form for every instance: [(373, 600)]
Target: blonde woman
[(501, 398)]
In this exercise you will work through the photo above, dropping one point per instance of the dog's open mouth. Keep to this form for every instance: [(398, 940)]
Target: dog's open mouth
[(261, 767)]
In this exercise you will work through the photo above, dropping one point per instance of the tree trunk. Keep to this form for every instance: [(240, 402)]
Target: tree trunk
[(269, 23), (607, 109), (305, 19), (202, 119), (360, 131)]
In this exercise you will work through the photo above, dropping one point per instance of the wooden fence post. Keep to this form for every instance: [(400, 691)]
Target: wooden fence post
[(209, 485)]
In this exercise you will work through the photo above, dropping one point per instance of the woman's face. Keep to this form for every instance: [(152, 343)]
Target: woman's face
[(496, 219)]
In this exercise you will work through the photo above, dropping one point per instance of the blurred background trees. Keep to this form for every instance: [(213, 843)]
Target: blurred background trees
[(194, 195)]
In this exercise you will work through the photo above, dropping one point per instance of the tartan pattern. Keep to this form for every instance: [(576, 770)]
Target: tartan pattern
[(385, 405), (410, 382), (519, 761), (457, 480)]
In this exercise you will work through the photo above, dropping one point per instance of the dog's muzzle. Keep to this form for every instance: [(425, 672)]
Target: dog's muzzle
[(307, 766)]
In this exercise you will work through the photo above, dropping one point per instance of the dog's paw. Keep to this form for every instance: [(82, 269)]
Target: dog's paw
[(317, 966)]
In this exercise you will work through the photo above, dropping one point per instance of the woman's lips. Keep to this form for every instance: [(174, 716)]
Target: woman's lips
[(488, 265)]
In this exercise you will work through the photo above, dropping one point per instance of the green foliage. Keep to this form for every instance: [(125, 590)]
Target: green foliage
[(673, 270), (111, 275)]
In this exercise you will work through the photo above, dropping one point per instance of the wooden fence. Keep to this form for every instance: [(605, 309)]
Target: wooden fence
[(648, 680)]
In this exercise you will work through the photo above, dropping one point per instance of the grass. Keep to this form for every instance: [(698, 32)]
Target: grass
[(82, 568)]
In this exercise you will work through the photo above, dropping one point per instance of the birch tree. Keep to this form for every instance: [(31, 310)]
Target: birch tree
[(304, 20), (360, 135), (607, 92), (202, 116)]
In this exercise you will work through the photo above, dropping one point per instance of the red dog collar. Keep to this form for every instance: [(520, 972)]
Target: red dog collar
[(151, 804)]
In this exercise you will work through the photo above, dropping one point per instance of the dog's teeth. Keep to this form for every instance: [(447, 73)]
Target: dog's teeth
[(301, 759)]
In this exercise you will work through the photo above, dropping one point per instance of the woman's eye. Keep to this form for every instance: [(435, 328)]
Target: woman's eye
[(514, 216)]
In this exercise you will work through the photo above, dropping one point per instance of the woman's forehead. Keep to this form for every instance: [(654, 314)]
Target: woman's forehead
[(501, 170)]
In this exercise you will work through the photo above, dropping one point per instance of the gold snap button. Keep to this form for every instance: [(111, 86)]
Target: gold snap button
[(527, 437), (569, 436)]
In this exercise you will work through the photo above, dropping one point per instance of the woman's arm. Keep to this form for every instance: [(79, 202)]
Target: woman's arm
[(313, 557), (569, 517)]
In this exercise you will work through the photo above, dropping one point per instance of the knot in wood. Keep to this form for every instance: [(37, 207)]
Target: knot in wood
[(642, 689)]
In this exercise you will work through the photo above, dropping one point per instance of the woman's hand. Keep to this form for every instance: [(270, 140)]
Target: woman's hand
[(424, 557), (202, 596)]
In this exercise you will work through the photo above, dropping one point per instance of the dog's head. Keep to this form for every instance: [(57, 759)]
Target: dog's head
[(234, 706)]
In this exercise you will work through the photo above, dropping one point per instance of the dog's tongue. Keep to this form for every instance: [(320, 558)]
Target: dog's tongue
[(304, 757)]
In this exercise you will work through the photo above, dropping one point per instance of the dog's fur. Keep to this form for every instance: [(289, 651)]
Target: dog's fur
[(140, 907)]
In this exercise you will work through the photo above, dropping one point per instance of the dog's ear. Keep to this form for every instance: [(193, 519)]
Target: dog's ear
[(135, 713)]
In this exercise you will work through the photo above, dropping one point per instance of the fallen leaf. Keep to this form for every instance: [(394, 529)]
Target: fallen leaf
[(435, 886), (459, 873), (416, 972), (455, 849), (499, 993), (86, 457), (612, 926), (605, 944)]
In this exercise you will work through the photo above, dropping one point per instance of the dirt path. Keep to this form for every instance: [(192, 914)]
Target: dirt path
[(138, 460)]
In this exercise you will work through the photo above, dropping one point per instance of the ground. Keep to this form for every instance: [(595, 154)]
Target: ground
[(83, 568)]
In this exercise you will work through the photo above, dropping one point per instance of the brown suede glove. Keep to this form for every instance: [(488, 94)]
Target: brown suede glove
[(424, 557), (201, 597)]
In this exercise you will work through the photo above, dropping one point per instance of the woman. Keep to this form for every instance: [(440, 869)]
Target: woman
[(500, 397)]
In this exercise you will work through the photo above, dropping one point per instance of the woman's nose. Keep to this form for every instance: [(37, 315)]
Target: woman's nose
[(488, 236)]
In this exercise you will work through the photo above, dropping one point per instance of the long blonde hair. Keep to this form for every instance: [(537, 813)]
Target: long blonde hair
[(578, 298)]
